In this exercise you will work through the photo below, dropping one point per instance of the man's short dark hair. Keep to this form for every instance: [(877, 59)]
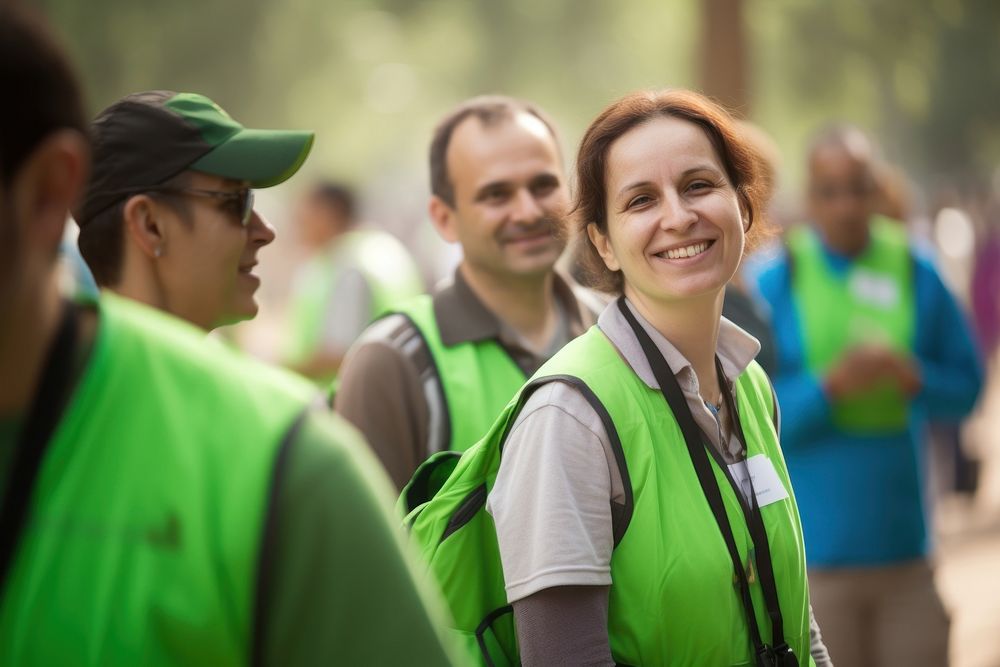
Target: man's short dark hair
[(338, 197), (490, 110), (42, 93)]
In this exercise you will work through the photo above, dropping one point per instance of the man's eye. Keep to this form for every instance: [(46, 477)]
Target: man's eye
[(234, 206), (494, 196), (544, 188)]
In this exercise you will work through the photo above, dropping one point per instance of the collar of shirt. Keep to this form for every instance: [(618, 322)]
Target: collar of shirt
[(463, 318), (736, 349)]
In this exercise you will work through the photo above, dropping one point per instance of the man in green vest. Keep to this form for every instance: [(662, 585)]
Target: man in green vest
[(435, 376), (352, 275), (164, 501)]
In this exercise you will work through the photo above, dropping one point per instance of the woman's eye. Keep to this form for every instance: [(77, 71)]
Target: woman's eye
[(699, 185), (639, 201)]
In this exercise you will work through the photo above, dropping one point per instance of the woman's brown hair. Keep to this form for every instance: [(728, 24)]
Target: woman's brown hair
[(744, 167)]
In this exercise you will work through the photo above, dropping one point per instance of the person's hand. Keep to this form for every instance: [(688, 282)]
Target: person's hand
[(863, 366), (904, 372), (858, 369)]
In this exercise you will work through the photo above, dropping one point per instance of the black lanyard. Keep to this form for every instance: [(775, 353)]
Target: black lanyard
[(695, 440), (50, 399)]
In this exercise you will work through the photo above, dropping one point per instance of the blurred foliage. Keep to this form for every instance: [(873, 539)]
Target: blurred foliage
[(373, 76)]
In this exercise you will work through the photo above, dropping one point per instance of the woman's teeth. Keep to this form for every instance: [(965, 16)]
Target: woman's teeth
[(686, 251)]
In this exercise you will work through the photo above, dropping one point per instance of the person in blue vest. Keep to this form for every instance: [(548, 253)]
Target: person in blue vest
[(871, 345)]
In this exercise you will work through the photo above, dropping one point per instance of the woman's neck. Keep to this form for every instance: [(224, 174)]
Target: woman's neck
[(691, 326)]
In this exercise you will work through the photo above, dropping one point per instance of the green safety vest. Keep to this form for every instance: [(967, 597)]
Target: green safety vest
[(873, 301), (673, 600), (386, 266), (141, 543), (478, 378)]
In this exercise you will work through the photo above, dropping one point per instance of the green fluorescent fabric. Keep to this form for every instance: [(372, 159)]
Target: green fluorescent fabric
[(872, 302), (673, 600), (144, 531), (478, 377), (389, 271)]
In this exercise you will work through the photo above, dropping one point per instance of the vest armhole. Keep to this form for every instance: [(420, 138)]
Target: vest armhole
[(620, 520), (429, 375), (265, 559), (775, 407)]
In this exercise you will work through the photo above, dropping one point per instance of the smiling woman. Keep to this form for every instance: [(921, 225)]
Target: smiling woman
[(655, 433)]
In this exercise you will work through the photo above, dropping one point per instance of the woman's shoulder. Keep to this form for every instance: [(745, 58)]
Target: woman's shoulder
[(559, 401)]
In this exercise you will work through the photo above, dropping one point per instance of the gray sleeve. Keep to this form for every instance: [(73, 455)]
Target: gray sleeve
[(817, 649), (566, 625), (380, 394), (348, 312), (551, 501)]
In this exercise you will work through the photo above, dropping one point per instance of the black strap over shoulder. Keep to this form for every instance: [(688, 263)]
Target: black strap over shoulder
[(766, 655), (51, 397)]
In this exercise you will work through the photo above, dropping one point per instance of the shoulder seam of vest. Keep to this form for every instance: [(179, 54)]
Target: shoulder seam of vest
[(618, 530), (410, 340)]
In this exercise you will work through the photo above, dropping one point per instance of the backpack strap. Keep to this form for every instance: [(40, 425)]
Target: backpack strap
[(620, 517)]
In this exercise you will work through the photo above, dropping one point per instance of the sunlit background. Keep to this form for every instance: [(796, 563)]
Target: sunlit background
[(923, 76)]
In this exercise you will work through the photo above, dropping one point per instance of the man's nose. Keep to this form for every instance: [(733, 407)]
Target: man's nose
[(526, 207)]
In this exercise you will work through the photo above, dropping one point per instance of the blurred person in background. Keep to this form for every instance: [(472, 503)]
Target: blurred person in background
[(871, 345), (434, 376), (167, 218), (164, 501), (351, 277)]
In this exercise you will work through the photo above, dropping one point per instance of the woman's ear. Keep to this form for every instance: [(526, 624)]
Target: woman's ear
[(602, 243), (144, 225)]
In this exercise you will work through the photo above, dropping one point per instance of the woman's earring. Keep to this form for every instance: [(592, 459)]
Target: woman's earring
[(158, 252)]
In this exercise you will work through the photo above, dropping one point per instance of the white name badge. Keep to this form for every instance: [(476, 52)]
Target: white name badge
[(766, 483), (873, 288)]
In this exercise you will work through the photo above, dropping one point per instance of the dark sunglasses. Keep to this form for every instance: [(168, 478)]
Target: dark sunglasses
[(241, 200)]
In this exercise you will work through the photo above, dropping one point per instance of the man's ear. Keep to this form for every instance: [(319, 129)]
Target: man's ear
[(144, 225), (443, 218), (603, 245), (50, 183)]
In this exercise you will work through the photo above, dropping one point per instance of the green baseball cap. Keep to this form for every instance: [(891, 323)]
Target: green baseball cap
[(145, 139)]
